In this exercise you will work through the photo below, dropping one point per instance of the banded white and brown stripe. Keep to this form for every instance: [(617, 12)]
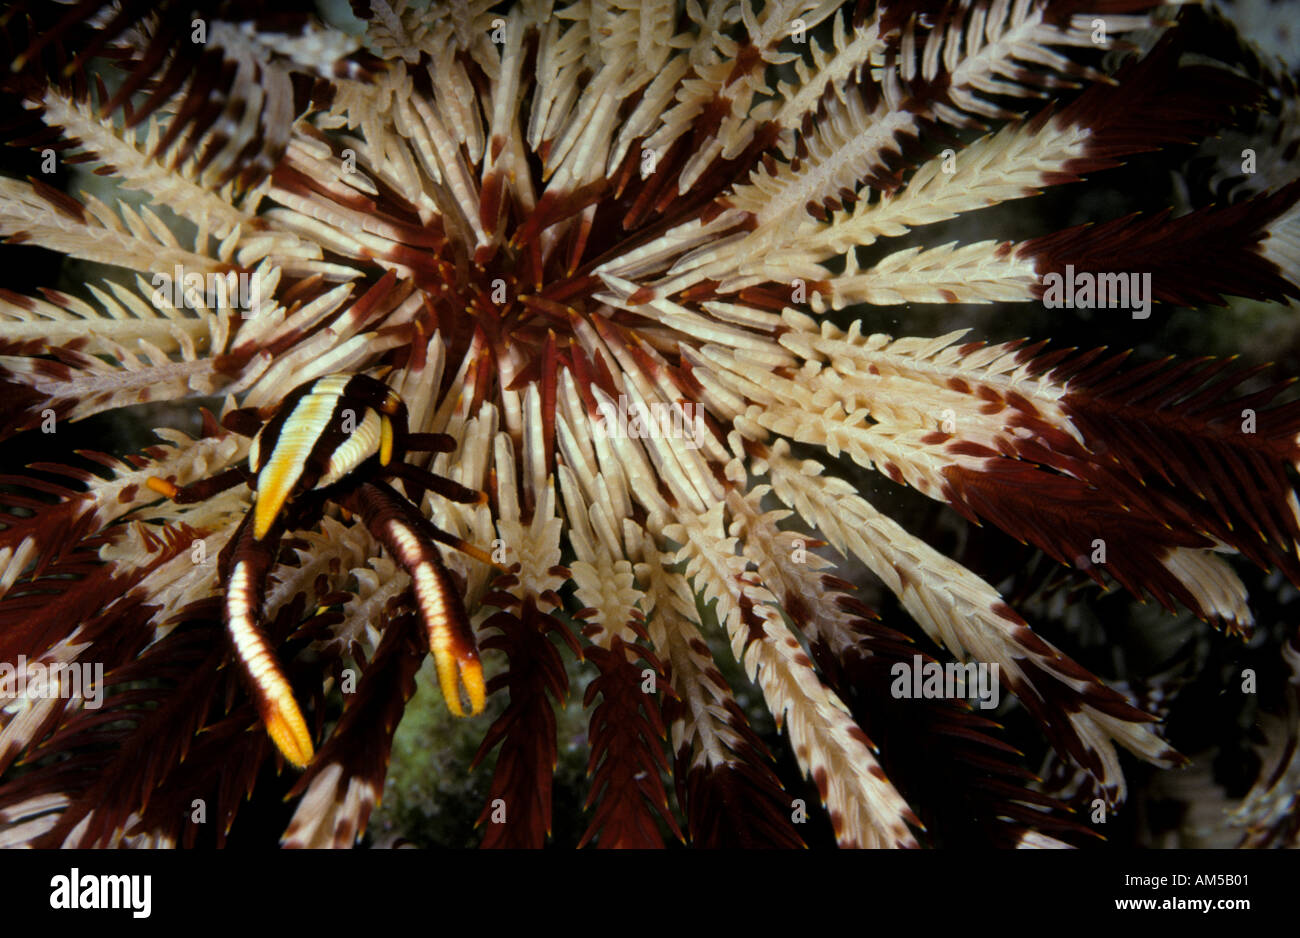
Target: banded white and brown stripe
[(271, 689), (323, 431), (411, 539)]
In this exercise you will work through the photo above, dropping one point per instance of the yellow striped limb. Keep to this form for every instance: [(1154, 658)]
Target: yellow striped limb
[(411, 539), (450, 638), (249, 561)]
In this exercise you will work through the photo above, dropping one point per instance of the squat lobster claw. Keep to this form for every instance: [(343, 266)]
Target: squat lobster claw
[(337, 439)]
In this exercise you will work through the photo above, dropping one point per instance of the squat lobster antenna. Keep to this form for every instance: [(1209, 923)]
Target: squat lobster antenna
[(162, 487), (200, 490), (472, 550)]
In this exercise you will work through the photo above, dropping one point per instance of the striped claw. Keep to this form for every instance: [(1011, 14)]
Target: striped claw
[(450, 637), (411, 538), (271, 690)]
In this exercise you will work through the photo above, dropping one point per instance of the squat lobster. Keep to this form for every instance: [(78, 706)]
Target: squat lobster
[(337, 438)]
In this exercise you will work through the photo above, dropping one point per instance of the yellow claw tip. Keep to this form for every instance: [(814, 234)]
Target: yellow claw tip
[(289, 733), (471, 676), (477, 691), (293, 742), (455, 675)]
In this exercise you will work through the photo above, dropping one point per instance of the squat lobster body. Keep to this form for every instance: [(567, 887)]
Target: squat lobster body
[(336, 439), (314, 440)]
